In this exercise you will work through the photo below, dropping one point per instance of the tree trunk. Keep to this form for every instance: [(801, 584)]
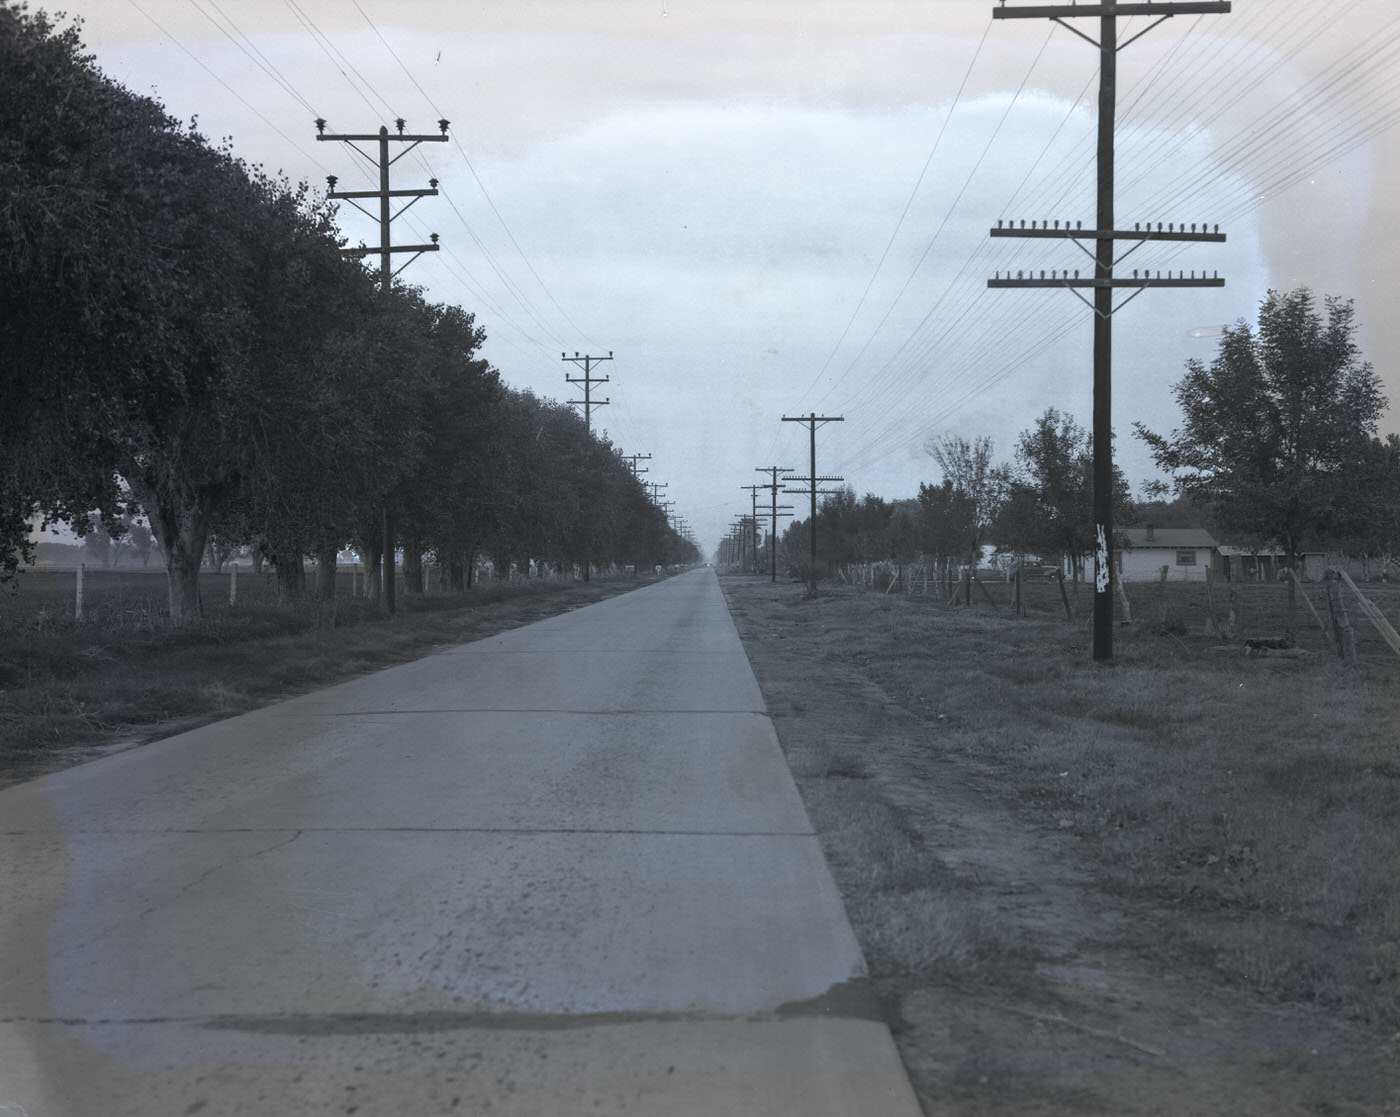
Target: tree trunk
[(326, 558), (291, 578), (373, 552), (412, 564), (182, 573), (182, 531)]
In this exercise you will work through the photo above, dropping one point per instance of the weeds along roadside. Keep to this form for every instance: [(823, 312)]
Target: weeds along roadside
[(125, 674), (1245, 806)]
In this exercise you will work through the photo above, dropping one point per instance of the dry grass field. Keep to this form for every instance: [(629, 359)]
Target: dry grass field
[(70, 689), (1169, 885)]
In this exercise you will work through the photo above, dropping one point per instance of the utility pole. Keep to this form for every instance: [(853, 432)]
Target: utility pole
[(656, 487), (384, 195), (753, 519), (1105, 237), (736, 544), (633, 459), (772, 487), (588, 403), (813, 421)]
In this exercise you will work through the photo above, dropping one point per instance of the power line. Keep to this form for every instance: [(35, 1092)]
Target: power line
[(237, 96)]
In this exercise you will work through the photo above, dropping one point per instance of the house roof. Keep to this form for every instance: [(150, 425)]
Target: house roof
[(1168, 538)]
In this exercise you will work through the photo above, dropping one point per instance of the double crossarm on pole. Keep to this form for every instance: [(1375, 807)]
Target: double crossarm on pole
[(1104, 236), (1141, 279), (775, 511), (812, 422)]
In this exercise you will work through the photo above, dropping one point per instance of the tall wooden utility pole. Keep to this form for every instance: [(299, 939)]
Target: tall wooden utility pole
[(814, 483), (588, 403), (772, 487), (753, 519), (1105, 236), (386, 248), (633, 459)]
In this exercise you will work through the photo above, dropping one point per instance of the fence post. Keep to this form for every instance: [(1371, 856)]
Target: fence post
[(1292, 605), (1293, 578), (1341, 621), (1373, 614), (1064, 596), (78, 602), (232, 584)]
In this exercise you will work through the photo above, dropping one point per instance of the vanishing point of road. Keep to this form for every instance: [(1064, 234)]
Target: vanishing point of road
[(560, 871)]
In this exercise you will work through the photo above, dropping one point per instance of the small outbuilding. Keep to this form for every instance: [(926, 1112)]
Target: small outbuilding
[(1186, 552)]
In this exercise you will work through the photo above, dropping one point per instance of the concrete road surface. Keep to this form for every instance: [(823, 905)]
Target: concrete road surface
[(560, 871)]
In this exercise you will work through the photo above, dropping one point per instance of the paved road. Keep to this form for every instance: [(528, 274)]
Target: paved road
[(560, 871)]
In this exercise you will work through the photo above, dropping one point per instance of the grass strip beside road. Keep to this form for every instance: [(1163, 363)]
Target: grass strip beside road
[(71, 691), (1166, 885)]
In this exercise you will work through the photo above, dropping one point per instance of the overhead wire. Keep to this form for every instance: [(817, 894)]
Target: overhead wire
[(904, 213), (340, 62), (947, 217), (466, 159), (237, 95), (940, 229), (250, 51)]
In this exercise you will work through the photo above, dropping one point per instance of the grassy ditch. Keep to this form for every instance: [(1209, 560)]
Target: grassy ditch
[(69, 689), (1009, 820)]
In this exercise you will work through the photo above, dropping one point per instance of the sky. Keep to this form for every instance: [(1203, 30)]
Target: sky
[(770, 208)]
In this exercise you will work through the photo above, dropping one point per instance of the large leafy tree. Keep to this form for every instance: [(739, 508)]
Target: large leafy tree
[(1376, 523), (72, 269), (1049, 505), (1276, 430), (979, 484), (946, 521)]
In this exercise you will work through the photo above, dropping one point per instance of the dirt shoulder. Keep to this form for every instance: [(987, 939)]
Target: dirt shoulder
[(1045, 938)]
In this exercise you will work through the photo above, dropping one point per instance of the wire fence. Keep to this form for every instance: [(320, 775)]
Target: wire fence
[(1309, 618)]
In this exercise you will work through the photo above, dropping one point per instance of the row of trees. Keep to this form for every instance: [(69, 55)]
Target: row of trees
[(1278, 448), (1039, 505), (181, 334)]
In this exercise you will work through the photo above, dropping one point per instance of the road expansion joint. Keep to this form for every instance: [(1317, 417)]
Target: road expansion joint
[(556, 711), (842, 1002), (521, 830)]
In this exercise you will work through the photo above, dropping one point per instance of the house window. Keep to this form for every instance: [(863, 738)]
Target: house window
[(1186, 558)]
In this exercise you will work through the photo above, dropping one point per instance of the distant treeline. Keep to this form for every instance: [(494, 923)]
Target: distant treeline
[(181, 334)]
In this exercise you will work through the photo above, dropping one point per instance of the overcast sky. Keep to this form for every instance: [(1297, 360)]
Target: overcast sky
[(772, 207)]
